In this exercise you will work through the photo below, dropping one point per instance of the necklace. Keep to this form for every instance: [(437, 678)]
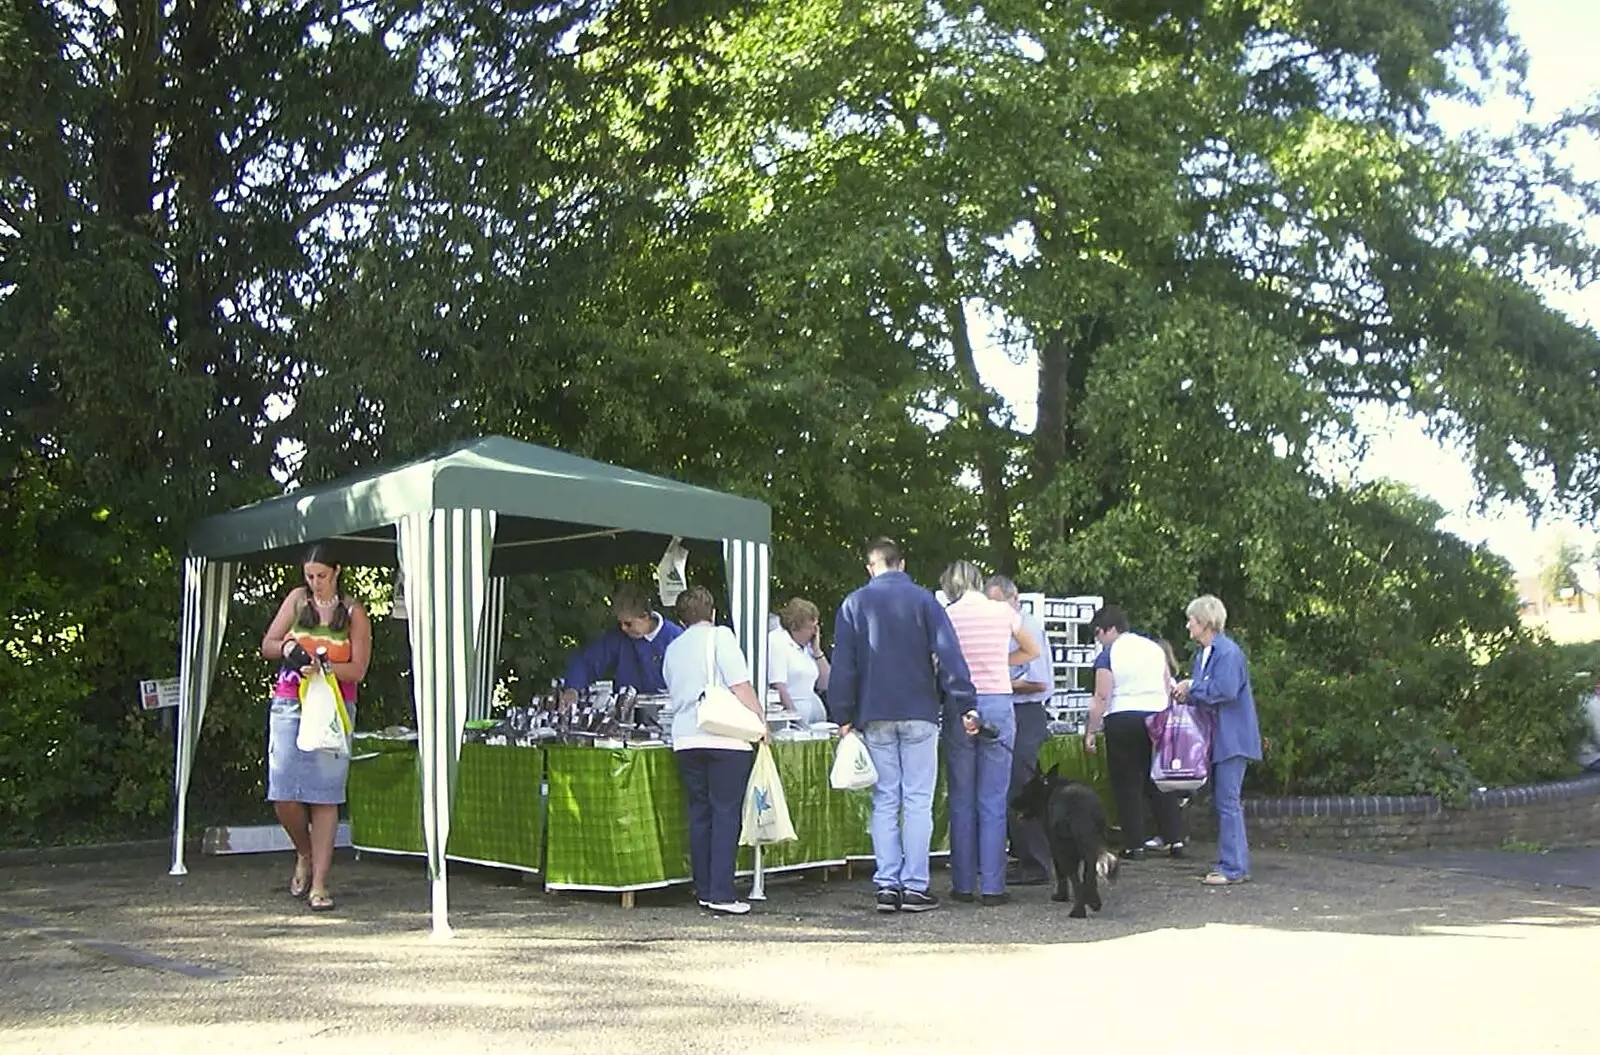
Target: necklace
[(320, 603)]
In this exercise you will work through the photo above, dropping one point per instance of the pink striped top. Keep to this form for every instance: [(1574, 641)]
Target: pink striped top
[(984, 628)]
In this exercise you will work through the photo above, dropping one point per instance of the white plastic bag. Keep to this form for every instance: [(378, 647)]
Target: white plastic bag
[(766, 810), (852, 765), (324, 722)]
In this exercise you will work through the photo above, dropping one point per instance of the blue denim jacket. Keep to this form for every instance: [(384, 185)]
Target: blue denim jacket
[(896, 656), (1224, 686)]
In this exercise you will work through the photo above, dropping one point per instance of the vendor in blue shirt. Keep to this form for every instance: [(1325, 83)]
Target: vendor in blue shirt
[(629, 653)]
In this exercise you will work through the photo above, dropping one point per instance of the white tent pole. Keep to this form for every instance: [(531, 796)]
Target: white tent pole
[(445, 557)]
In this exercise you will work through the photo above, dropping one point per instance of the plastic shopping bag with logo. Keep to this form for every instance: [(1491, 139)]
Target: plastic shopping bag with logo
[(852, 765), (766, 811), (1180, 747)]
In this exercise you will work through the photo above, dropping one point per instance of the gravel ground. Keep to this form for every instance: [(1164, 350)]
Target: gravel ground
[(1319, 954)]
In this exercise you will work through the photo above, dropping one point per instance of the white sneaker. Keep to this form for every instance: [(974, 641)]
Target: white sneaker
[(727, 908), (1155, 844)]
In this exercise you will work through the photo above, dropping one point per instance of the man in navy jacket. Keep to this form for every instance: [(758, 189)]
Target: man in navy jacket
[(896, 666), (629, 653)]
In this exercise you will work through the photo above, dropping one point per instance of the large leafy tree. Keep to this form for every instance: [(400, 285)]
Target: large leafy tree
[(1219, 228)]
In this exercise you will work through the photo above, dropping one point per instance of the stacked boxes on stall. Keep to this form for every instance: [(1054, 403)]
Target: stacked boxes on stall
[(1072, 655)]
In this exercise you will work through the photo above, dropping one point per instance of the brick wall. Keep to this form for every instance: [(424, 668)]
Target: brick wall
[(1558, 813)]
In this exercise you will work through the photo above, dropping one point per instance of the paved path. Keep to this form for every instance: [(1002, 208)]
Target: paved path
[(1567, 867), (1320, 954)]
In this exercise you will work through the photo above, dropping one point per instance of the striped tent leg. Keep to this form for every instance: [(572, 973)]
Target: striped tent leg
[(488, 661), (207, 588), (747, 568), (445, 557)]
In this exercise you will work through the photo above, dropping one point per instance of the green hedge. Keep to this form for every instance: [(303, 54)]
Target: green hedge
[(1441, 720)]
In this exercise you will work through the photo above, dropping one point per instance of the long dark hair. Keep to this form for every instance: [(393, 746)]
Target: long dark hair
[(307, 614)]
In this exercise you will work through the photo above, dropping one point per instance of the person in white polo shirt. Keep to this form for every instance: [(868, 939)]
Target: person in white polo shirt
[(1131, 682)]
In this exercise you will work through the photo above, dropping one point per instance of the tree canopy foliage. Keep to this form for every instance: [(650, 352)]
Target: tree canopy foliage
[(763, 246)]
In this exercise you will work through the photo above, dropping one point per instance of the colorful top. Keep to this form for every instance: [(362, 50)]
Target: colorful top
[(985, 629), (311, 638)]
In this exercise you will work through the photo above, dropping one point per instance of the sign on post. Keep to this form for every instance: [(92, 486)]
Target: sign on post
[(156, 694)]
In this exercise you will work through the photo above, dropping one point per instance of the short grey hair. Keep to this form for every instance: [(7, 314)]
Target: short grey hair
[(959, 578), (1007, 588), (1209, 612)]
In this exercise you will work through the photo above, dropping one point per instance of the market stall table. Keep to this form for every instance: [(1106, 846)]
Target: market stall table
[(613, 819)]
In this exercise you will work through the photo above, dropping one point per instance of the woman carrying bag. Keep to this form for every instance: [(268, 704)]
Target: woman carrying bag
[(305, 787), (701, 666)]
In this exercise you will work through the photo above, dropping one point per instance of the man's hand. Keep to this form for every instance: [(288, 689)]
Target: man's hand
[(969, 722), (1181, 689), (1088, 742), (844, 730)]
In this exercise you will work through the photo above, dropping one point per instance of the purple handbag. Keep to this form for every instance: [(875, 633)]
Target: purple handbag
[(1180, 747)]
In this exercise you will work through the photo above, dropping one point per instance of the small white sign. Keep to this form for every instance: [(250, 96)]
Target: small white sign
[(154, 695), (671, 578)]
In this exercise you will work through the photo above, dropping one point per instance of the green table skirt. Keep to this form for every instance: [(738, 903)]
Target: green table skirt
[(616, 820), (496, 816)]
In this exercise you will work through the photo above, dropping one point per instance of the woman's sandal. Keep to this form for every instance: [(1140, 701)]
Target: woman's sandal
[(300, 885), (320, 901), (1218, 879)]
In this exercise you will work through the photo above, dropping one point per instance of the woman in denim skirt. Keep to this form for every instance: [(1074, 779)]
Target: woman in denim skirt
[(306, 788)]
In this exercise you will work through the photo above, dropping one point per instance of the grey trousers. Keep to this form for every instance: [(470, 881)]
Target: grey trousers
[(1029, 844)]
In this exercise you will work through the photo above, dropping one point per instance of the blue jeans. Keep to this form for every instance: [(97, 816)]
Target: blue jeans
[(1233, 851), (978, 772), (906, 756), (714, 781)]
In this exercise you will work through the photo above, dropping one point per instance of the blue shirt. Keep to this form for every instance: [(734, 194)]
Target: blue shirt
[(896, 657), (629, 662), (1038, 669)]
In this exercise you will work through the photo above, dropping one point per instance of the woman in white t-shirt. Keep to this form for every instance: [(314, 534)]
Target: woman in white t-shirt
[(1132, 680), (715, 769), (796, 665)]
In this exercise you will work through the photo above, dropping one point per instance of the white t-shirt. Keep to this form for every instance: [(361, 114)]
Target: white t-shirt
[(687, 675), (789, 664), (1138, 675)]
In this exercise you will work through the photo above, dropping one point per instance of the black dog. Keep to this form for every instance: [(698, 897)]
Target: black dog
[(1075, 822)]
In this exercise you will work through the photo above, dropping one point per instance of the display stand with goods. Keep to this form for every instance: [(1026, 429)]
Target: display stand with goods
[(1072, 655)]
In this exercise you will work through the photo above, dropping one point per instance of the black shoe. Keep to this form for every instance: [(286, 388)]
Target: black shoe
[(992, 900), (1177, 850), (1019, 877), (963, 897), (918, 901), (888, 899), (1132, 853)]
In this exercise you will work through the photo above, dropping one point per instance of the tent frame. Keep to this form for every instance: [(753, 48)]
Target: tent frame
[(456, 523)]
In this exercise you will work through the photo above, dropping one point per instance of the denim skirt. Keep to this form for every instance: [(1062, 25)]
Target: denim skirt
[(293, 775)]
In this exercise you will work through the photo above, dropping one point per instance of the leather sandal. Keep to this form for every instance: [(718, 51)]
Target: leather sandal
[(320, 901), (300, 884), (1218, 879)]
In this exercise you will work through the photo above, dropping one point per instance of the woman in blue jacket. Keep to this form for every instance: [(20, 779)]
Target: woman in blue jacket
[(1221, 682)]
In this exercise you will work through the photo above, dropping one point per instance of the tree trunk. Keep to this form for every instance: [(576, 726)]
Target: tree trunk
[(991, 444)]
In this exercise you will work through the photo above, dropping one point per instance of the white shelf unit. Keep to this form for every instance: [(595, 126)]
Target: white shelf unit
[(1072, 653)]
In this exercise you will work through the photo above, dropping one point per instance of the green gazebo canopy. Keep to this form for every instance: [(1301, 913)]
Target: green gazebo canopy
[(456, 523), (555, 510)]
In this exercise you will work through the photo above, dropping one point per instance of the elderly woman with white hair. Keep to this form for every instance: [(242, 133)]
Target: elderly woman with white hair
[(978, 763), (1221, 682)]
